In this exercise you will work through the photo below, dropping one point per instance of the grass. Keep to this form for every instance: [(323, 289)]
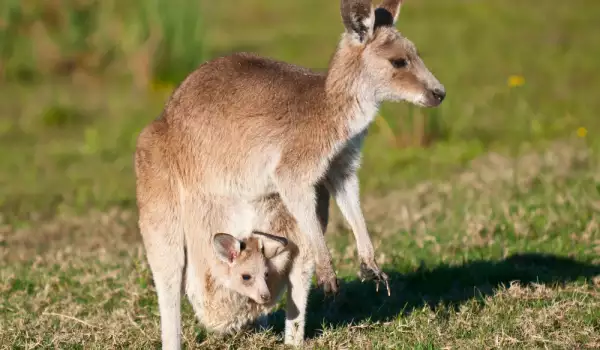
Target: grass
[(484, 212), (475, 261), (140, 39)]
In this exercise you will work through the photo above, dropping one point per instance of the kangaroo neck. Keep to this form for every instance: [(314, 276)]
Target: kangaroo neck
[(350, 96)]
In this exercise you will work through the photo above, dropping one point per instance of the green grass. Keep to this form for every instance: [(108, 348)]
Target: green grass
[(139, 39), (484, 212)]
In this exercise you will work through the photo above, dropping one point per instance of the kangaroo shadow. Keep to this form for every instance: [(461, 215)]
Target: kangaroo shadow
[(442, 285)]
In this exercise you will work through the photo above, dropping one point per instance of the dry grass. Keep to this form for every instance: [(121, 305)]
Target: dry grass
[(458, 281)]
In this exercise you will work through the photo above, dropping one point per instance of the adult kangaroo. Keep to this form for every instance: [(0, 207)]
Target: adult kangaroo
[(242, 128)]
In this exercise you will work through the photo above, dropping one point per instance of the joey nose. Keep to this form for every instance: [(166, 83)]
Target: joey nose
[(439, 94), (265, 297)]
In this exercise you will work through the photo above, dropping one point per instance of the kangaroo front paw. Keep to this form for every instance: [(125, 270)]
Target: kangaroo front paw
[(372, 272), (327, 279)]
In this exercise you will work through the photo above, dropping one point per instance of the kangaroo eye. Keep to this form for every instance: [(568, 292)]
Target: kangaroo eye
[(400, 63), (266, 274), (246, 277)]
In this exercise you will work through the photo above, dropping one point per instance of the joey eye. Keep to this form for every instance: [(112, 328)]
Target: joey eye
[(399, 63), (246, 277), (266, 274)]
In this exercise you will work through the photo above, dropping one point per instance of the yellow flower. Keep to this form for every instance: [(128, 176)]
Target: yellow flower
[(581, 132), (515, 80)]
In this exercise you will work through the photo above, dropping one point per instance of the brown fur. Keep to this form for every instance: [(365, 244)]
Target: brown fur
[(247, 142), (225, 310), (230, 307)]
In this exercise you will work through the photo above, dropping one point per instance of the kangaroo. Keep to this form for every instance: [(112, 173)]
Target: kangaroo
[(242, 128), (229, 307), (247, 287)]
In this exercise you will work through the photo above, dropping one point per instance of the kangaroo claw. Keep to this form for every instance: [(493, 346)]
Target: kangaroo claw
[(374, 273), (328, 281)]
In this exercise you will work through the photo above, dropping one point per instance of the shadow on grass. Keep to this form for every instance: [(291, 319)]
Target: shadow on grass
[(445, 285)]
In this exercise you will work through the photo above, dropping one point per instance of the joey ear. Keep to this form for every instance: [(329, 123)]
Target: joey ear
[(272, 245), (227, 247), (386, 14), (358, 18)]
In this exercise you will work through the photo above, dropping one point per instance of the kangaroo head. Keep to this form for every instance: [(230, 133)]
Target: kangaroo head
[(246, 260), (381, 63)]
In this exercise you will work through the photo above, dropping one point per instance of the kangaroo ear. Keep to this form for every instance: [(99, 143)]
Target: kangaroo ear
[(386, 14), (358, 19), (227, 247), (272, 245)]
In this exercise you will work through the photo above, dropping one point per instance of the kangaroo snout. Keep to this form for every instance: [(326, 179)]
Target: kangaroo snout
[(436, 96), (264, 297), (439, 94)]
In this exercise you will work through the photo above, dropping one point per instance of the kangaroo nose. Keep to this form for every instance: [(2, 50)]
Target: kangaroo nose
[(439, 94), (265, 297)]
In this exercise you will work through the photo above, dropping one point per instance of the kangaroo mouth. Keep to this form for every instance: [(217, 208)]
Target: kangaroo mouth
[(258, 300), (434, 97)]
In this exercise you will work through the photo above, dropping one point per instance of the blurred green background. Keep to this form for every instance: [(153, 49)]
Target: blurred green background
[(80, 78)]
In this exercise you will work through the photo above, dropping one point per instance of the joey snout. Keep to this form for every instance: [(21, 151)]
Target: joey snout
[(263, 295)]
